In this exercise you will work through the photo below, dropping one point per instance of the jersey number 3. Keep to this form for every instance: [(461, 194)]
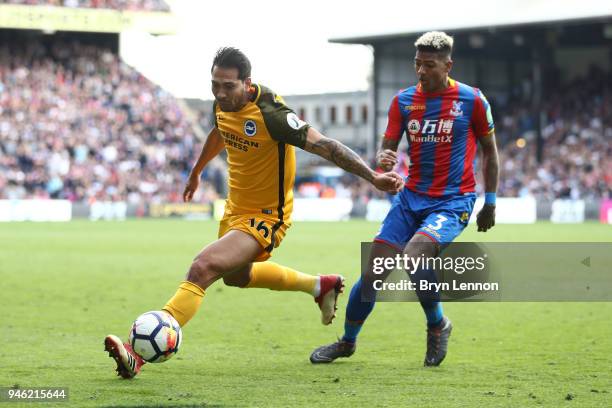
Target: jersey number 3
[(439, 222)]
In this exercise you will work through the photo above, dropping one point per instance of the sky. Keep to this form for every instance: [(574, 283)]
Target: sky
[(287, 45), (288, 41)]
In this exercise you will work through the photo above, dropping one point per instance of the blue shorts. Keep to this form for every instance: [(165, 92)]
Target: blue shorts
[(442, 218)]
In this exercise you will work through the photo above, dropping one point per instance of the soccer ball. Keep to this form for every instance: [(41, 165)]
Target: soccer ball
[(155, 336)]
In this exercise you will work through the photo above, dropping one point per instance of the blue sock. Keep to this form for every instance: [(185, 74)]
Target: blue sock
[(357, 312), (351, 330), (429, 299), (433, 313)]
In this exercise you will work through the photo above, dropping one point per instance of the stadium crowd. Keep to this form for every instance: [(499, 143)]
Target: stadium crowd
[(577, 143), (131, 5), (77, 123)]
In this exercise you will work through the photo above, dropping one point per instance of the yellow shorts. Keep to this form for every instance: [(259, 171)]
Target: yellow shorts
[(269, 232)]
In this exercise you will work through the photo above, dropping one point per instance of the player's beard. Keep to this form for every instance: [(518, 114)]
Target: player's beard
[(226, 106), (425, 81), (431, 85), (233, 105)]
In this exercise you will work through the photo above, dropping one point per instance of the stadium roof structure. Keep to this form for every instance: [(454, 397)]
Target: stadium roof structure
[(496, 14)]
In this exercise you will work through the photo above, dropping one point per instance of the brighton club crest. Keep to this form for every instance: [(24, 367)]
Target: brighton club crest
[(250, 128)]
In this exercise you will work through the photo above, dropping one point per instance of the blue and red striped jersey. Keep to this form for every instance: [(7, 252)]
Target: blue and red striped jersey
[(442, 129)]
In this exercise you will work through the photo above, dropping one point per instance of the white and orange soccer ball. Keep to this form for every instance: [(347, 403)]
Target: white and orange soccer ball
[(155, 336)]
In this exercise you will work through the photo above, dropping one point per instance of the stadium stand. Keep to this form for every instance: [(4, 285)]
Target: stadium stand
[(577, 154), (79, 124), (124, 138)]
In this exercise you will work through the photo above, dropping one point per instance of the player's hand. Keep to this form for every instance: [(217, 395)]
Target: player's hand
[(192, 185), (389, 182), (386, 159), (486, 218)]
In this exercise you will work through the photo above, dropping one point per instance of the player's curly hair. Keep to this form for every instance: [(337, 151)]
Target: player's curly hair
[(230, 57), (435, 41)]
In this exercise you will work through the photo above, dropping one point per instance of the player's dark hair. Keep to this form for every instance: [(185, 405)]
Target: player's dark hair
[(230, 57)]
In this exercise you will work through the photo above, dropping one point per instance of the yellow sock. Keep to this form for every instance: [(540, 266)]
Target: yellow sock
[(185, 302), (278, 277)]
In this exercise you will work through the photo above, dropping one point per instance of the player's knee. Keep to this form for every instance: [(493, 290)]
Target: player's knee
[(204, 269), (234, 281), (239, 278), (421, 245)]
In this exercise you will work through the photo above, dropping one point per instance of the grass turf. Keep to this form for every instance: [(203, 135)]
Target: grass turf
[(68, 285)]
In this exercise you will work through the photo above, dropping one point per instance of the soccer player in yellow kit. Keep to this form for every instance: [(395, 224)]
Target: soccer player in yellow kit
[(259, 133)]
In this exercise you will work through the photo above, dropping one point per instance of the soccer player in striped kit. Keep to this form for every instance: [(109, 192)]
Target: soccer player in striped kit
[(443, 120)]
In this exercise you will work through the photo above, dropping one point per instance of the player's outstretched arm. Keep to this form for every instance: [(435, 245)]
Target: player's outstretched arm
[(490, 168), (350, 161), (212, 147)]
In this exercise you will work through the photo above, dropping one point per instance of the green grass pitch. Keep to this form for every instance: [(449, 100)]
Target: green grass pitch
[(65, 286)]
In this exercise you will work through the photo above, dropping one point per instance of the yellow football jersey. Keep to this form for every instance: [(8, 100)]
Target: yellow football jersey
[(260, 140)]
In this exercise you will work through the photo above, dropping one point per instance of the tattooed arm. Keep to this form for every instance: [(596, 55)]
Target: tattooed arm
[(338, 153), (350, 161)]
